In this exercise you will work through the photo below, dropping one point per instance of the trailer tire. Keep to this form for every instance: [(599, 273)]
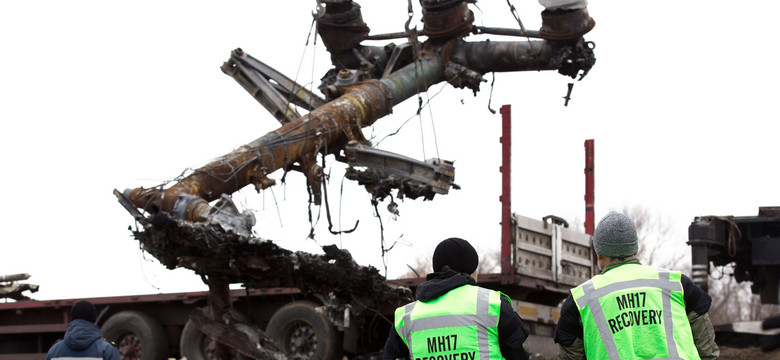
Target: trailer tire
[(138, 336), (195, 345), (298, 328)]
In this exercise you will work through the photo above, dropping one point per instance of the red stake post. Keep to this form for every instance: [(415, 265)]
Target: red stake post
[(589, 179), (507, 272)]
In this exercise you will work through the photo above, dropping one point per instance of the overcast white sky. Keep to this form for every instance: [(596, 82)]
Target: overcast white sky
[(97, 95)]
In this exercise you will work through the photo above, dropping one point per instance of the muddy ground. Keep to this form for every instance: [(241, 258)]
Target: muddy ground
[(753, 353), (730, 353)]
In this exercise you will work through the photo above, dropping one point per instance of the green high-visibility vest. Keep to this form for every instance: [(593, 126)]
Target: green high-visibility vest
[(459, 325), (635, 312)]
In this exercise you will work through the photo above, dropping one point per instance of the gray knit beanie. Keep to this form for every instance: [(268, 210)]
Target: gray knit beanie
[(615, 236)]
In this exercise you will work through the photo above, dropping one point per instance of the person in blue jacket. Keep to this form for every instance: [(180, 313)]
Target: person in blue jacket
[(82, 337)]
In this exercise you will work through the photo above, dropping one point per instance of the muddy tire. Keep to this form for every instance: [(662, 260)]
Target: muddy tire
[(299, 329), (194, 344), (137, 336)]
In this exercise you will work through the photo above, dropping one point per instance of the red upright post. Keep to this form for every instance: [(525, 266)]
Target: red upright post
[(589, 197), (590, 219), (507, 270)]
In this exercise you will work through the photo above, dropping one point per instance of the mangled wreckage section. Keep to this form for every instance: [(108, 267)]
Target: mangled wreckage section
[(11, 288), (346, 290), (182, 228), (207, 249), (365, 84)]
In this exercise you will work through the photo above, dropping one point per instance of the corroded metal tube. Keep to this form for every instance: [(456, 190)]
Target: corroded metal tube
[(413, 79), (328, 128), (504, 56), (14, 277)]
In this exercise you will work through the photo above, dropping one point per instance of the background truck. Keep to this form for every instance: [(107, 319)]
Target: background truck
[(540, 261), (750, 244), (158, 326)]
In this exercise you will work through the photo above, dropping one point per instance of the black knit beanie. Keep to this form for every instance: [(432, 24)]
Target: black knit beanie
[(456, 253), (84, 310)]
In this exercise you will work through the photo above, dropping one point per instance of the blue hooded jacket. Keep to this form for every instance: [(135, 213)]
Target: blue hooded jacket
[(83, 340)]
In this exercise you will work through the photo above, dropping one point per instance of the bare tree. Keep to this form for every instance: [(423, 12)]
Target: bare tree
[(418, 269), (488, 263), (657, 245)]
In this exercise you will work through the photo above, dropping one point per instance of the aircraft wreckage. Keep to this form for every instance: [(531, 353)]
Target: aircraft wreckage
[(11, 288), (193, 223)]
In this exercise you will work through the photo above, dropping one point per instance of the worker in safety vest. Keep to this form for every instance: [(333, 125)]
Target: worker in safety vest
[(632, 311), (453, 319)]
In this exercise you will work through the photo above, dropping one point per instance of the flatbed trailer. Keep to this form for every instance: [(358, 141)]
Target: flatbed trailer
[(159, 325), (29, 328)]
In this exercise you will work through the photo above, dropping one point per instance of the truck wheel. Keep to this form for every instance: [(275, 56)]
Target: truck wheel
[(194, 344), (137, 335), (299, 329)]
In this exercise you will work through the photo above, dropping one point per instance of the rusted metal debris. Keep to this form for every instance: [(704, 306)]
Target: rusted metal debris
[(364, 85), (272, 89), (565, 24), (232, 331), (207, 249), (341, 26), (387, 171), (330, 127), (181, 228), (14, 277), (445, 19), (225, 257), (9, 288)]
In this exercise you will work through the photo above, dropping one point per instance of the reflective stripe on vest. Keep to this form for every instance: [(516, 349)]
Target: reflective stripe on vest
[(589, 297), (442, 319)]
